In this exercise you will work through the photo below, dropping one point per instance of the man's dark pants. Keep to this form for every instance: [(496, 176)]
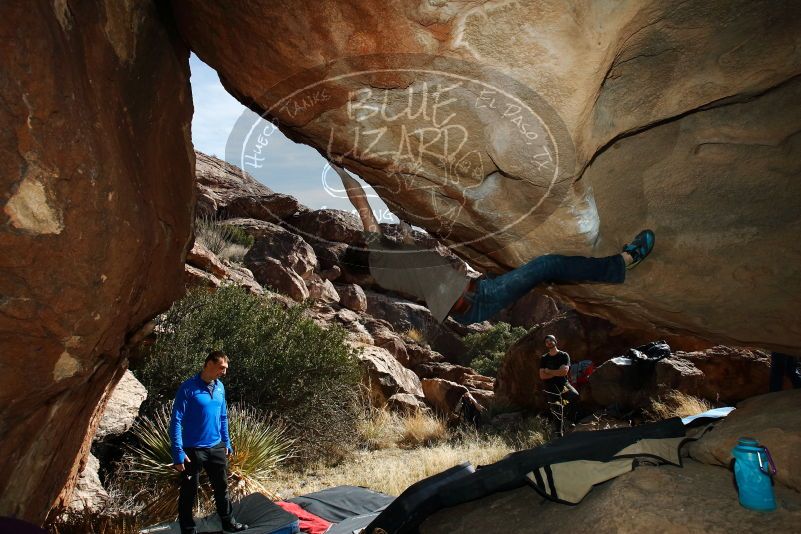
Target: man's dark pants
[(215, 461), (781, 365), (568, 397)]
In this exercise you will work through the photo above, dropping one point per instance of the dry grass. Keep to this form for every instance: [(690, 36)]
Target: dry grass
[(392, 470), (379, 429), (677, 404), (233, 252), (415, 335), (422, 429), (402, 450)]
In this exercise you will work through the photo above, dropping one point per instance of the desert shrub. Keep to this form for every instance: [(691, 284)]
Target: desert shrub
[(280, 362), (224, 240), (260, 445), (485, 350), (237, 235)]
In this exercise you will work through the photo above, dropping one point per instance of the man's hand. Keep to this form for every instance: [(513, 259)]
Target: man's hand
[(180, 467)]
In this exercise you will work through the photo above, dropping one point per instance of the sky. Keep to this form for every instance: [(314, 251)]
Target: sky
[(288, 167)]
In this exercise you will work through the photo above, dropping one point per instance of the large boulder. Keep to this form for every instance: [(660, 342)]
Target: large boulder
[(560, 138), (327, 224), (384, 376), (406, 403), (273, 242), (774, 419), (225, 191), (719, 375), (202, 258), (270, 272), (194, 277), (384, 336), (243, 277), (122, 407), (89, 494), (352, 297), (409, 316), (443, 395), (96, 204), (321, 289), (629, 384), (444, 370), (669, 499), (731, 374)]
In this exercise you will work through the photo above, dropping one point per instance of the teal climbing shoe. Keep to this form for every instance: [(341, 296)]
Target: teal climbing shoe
[(640, 247)]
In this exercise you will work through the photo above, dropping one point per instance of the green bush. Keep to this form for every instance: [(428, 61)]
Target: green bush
[(280, 362), (487, 349), (260, 445), (238, 236)]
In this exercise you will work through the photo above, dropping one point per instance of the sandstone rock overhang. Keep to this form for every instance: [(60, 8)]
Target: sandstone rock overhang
[(513, 129), (96, 204)]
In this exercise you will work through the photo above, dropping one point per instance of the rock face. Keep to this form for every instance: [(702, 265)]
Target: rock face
[(384, 376), (225, 191), (89, 493), (407, 316), (443, 395), (96, 204), (730, 374), (774, 420), (674, 500), (352, 297), (513, 129), (122, 407)]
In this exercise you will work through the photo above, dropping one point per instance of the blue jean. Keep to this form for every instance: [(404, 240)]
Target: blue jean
[(494, 294)]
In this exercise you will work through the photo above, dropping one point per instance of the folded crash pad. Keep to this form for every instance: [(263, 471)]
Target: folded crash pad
[(260, 514), (342, 502), (418, 501)]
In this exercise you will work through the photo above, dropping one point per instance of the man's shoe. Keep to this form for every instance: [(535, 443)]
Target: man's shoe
[(233, 526), (640, 247)]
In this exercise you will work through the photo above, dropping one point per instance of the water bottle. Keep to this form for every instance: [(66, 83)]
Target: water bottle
[(753, 472)]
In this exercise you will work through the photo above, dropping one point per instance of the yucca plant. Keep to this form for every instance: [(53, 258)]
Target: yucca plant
[(260, 445)]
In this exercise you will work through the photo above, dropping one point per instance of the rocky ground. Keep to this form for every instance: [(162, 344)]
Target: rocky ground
[(409, 363), (697, 497)]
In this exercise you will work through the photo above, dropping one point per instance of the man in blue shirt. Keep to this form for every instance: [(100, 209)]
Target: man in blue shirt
[(200, 440)]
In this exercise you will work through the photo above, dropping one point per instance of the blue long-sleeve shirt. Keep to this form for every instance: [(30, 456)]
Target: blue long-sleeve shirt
[(199, 417)]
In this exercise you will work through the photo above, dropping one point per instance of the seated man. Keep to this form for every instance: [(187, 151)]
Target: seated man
[(448, 290)]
